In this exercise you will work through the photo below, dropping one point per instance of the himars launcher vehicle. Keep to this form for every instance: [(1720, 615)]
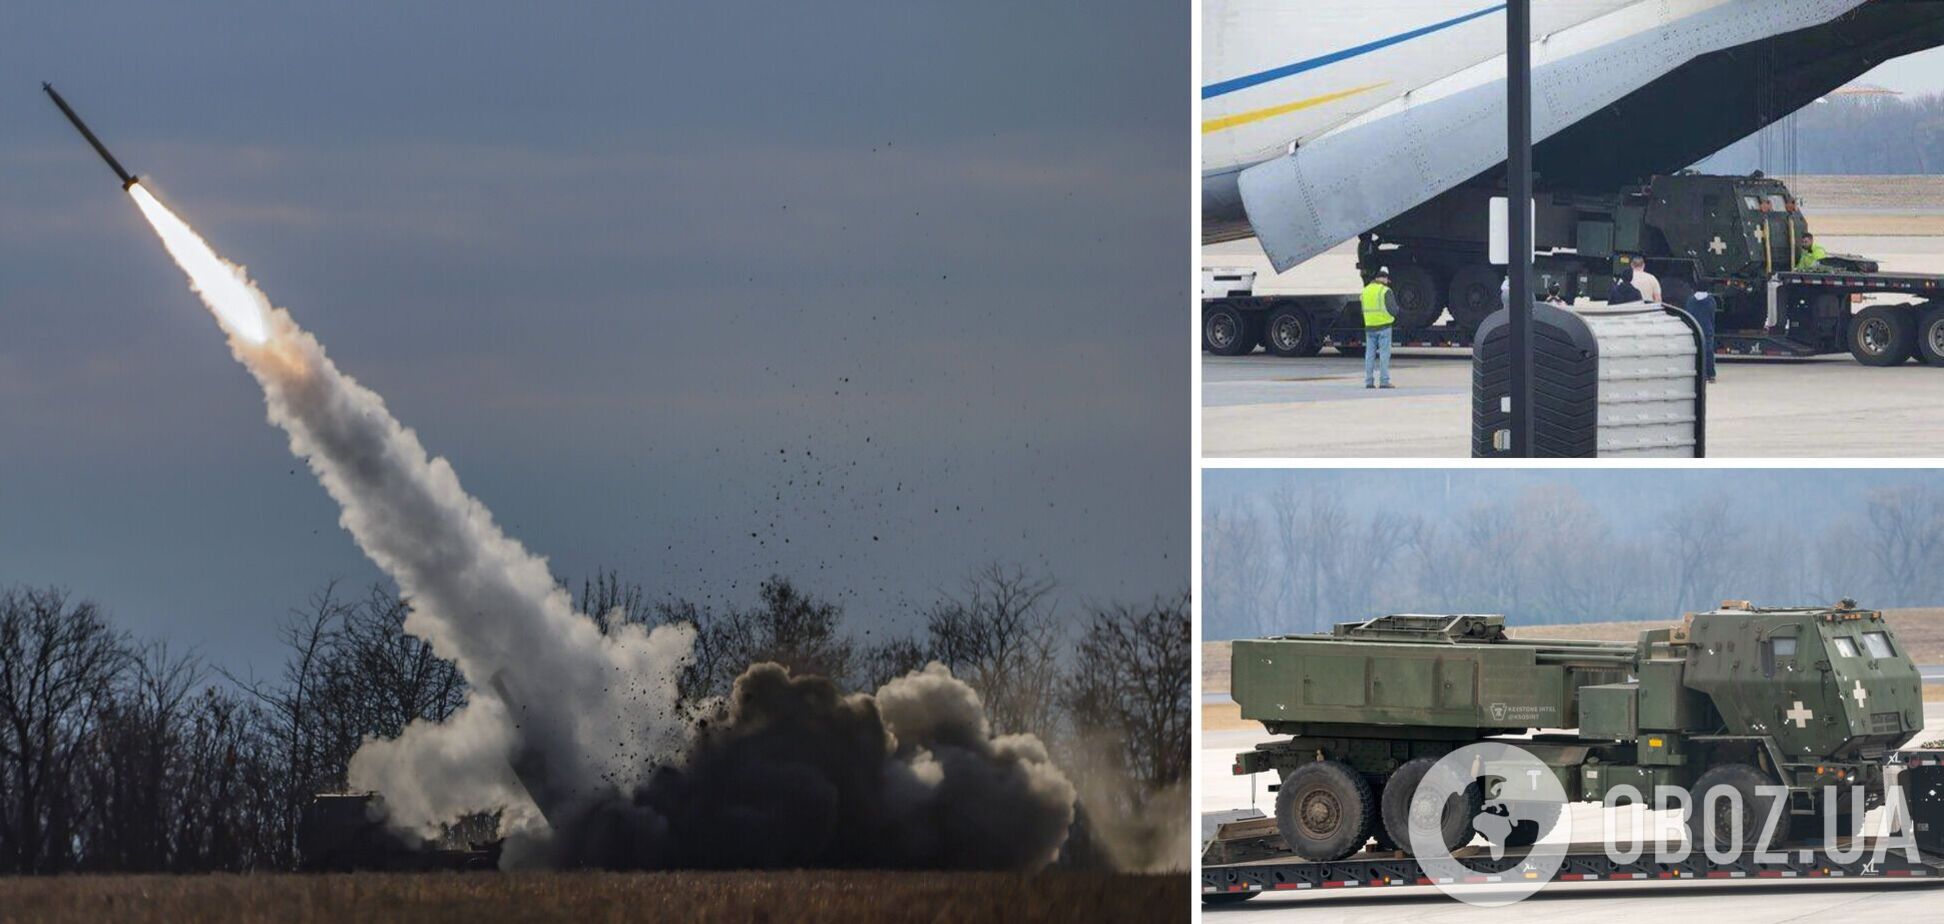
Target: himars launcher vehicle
[(1811, 699)]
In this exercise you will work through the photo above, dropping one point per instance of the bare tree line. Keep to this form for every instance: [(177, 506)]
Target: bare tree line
[(1293, 560), (121, 755), (1849, 135)]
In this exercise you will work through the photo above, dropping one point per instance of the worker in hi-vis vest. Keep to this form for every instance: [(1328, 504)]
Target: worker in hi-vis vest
[(1812, 254), (1379, 313)]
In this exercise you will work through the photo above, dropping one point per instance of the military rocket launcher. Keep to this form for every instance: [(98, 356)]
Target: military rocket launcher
[(1811, 699)]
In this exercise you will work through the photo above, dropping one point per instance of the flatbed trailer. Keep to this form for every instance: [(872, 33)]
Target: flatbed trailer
[(1247, 858), (1807, 314), (1582, 863)]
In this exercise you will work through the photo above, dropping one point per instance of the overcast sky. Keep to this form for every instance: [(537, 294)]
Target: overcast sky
[(1922, 72), (866, 294)]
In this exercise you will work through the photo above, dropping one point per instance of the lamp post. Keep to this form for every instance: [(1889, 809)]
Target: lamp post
[(1518, 180)]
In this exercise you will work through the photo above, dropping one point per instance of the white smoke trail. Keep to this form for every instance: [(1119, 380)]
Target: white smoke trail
[(589, 718), (600, 708)]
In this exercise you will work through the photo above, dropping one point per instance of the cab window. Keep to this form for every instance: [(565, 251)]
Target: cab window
[(1877, 643), (1781, 649), (1844, 646)]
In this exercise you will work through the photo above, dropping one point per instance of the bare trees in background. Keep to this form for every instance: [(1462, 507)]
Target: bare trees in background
[(1129, 688), (115, 755), (1299, 561), (1001, 634), (1906, 136), (60, 666)]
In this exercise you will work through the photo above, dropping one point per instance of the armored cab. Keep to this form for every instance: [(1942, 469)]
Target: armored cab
[(1812, 699)]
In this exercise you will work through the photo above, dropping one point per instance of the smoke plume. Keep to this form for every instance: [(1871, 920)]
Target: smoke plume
[(577, 735)]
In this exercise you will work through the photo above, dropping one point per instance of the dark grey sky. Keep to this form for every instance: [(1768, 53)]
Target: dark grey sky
[(895, 287)]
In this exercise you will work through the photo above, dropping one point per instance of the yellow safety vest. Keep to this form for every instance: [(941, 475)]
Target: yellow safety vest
[(1374, 312), (1814, 255)]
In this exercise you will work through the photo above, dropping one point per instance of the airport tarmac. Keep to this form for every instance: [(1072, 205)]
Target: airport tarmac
[(1744, 903), (1266, 406)]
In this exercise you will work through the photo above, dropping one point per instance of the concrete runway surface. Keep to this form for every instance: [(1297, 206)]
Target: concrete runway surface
[(1266, 406), (1740, 903)]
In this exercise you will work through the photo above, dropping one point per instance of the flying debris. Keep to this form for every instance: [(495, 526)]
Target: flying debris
[(127, 179)]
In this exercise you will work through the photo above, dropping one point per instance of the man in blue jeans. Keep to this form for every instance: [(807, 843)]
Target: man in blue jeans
[(1379, 304)]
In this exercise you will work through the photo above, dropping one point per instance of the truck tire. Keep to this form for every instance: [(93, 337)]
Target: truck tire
[(1226, 331), (1474, 296), (1420, 297), (1848, 822), (1456, 821), (1291, 331), (1743, 780), (1930, 335), (1324, 810), (1883, 335)]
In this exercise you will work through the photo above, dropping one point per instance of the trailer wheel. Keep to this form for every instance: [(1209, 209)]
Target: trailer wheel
[(1291, 331), (1882, 335), (1228, 898), (1930, 335), (1474, 296), (1454, 820), (1324, 810), (1226, 331), (1719, 792)]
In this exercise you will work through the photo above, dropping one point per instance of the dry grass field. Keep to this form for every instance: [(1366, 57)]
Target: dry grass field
[(1215, 667), (585, 898)]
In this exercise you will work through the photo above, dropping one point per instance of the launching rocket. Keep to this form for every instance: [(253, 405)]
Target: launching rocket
[(126, 178)]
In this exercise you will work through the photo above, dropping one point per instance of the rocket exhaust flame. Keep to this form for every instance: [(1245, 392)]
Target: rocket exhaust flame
[(577, 736), (223, 285)]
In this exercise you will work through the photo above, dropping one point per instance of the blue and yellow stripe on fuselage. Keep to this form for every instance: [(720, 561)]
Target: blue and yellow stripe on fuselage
[(1270, 112), (1237, 84)]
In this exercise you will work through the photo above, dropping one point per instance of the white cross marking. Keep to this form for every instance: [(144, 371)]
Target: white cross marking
[(1799, 715), (1860, 694), (1718, 245)]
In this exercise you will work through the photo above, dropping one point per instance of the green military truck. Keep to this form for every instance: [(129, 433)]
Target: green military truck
[(1807, 698), (1736, 236)]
